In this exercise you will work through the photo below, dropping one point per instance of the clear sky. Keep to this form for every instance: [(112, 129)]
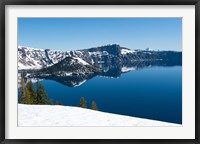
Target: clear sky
[(80, 33)]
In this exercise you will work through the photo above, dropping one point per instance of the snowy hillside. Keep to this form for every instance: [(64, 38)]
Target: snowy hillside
[(34, 58), (53, 115)]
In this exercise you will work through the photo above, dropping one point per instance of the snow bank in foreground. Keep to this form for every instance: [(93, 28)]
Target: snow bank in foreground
[(53, 115)]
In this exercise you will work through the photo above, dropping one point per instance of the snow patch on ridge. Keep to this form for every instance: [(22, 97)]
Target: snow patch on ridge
[(81, 61), (126, 51)]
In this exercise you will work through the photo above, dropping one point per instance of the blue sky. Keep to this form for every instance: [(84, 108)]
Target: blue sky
[(80, 33)]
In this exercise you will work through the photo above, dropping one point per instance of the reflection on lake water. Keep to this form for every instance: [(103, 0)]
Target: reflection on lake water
[(150, 90)]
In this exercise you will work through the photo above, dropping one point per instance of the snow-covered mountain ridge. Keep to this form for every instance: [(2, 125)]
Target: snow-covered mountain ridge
[(31, 58), (34, 58)]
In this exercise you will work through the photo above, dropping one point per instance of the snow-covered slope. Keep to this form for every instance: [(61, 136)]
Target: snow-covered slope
[(34, 58), (52, 115)]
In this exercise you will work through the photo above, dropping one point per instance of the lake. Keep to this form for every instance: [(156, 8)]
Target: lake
[(152, 93)]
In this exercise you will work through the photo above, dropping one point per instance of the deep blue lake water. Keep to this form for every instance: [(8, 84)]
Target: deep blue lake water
[(153, 93)]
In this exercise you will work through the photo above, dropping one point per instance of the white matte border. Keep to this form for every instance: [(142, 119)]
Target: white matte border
[(187, 131)]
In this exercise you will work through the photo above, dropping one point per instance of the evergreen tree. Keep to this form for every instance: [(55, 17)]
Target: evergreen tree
[(30, 93), (23, 98), (37, 96), (41, 96), (83, 102), (58, 103), (51, 102), (94, 106)]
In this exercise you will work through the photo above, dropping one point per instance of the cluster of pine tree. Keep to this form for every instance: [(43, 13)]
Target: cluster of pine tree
[(37, 95), (83, 104), (33, 95)]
